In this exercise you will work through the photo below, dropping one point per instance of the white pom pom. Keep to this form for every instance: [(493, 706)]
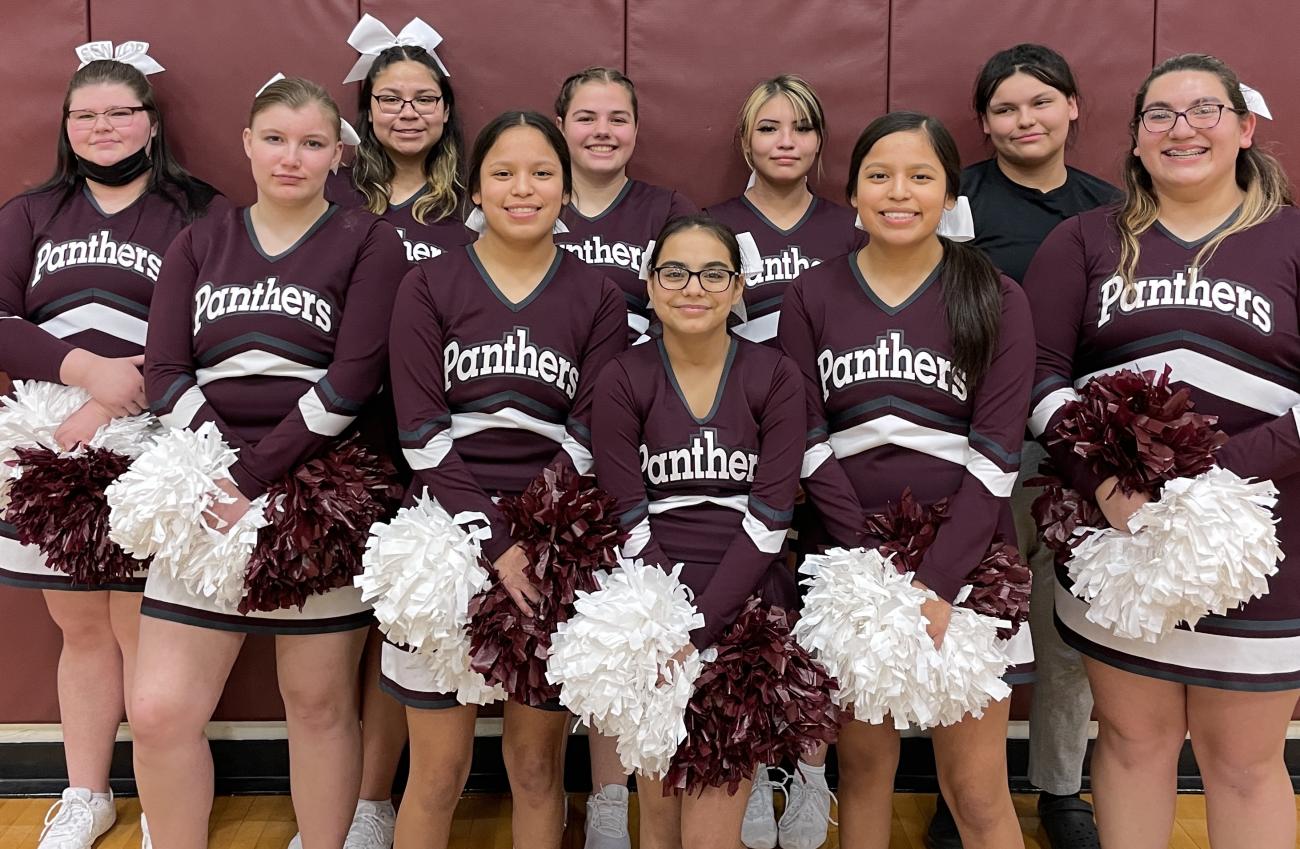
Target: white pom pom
[(972, 661), (129, 436), (862, 619), (421, 570), (609, 655), (216, 563), (443, 670), (1206, 546), (156, 508)]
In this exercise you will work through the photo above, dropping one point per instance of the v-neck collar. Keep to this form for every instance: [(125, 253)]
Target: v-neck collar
[(311, 231), (812, 206), (532, 296), (722, 381), (613, 205), (94, 204), (876, 299), (1196, 243), (419, 193)]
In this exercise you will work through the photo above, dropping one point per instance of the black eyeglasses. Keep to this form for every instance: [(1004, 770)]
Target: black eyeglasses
[(1204, 116), (391, 104), (118, 116), (675, 277)]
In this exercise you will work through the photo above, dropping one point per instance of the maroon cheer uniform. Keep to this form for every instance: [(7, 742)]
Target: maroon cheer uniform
[(1230, 334), (420, 240)]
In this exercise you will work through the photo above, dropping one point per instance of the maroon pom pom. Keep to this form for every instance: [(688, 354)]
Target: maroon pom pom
[(320, 515), (999, 583), (763, 700), (907, 529), (1132, 425), (58, 505), (1059, 511), (568, 532)]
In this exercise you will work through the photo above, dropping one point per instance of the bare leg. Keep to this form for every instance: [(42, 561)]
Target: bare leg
[(90, 684), (661, 816), (1142, 723), (124, 614), (180, 673), (711, 820), (383, 728), (318, 681), (442, 746), (1238, 738), (972, 761), (868, 762), (606, 768), (533, 747)]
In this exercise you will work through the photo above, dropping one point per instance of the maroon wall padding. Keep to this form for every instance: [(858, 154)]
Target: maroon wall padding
[(36, 58), (1256, 38), (862, 58), (932, 66), (690, 103)]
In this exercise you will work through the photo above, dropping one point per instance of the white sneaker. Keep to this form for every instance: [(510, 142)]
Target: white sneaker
[(146, 842), (607, 819), (77, 820), (807, 812), (758, 831), (372, 827)]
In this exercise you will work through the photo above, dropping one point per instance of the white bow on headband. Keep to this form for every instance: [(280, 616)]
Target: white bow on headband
[(1255, 102), (133, 53), (370, 38), (347, 134)]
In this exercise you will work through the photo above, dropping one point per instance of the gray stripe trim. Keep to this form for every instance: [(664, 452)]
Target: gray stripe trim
[(335, 400), (757, 506), (812, 206), (636, 514), (762, 308), (1143, 347), (88, 296), (1047, 384), (516, 398), (613, 205), (533, 295), (169, 397), (875, 299), (722, 381), (578, 429), (1010, 458), (257, 246), (419, 434), (893, 402), (817, 433), (1223, 623), (262, 340), (1196, 243)]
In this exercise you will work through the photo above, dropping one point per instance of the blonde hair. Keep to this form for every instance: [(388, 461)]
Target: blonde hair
[(296, 92), (807, 106), (1259, 175)]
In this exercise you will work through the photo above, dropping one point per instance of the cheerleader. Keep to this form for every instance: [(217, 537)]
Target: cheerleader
[(935, 400), (725, 515), (78, 261), (611, 218), (495, 348), (1195, 271), (406, 170), (1028, 103), (782, 131), (269, 324)]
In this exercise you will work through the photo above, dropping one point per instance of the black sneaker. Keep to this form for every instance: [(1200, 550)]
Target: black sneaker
[(942, 833), (1068, 822)]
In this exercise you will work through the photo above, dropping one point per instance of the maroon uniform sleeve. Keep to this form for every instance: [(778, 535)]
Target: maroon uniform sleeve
[(616, 423), (356, 370), (997, 430), (415, 359), (169, 380), (679, 206), (1057, 287), (824, 480), (26, 351), (769, 510), (607, 339)]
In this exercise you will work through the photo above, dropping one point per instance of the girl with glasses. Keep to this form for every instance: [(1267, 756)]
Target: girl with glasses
[(611, 217), (495, 350), (79, 258), (1195, 271), (726, 520), (917, 357)]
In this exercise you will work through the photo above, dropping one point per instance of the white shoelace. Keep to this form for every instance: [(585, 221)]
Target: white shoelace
[(370, 827), (763, 788), (798, 793), (70, 818), (609, 817)]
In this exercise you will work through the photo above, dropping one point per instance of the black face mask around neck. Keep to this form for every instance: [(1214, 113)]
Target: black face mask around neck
[(119, 173)]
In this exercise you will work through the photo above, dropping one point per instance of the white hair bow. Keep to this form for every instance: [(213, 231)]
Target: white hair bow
[(347, 134), (1255, 102), (370, 38), (133, 53)]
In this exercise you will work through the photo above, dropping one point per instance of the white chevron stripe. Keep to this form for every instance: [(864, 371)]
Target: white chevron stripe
[(760, 329), (507, 418), (893, 430), (578, 454), (764, 538), (739, 503), (637, 539), (258, 364), (101, 317), (813, 459), (432, 454), (1042, 414), (1221, 379), (320, 420), (638, 323), (185, 408)]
